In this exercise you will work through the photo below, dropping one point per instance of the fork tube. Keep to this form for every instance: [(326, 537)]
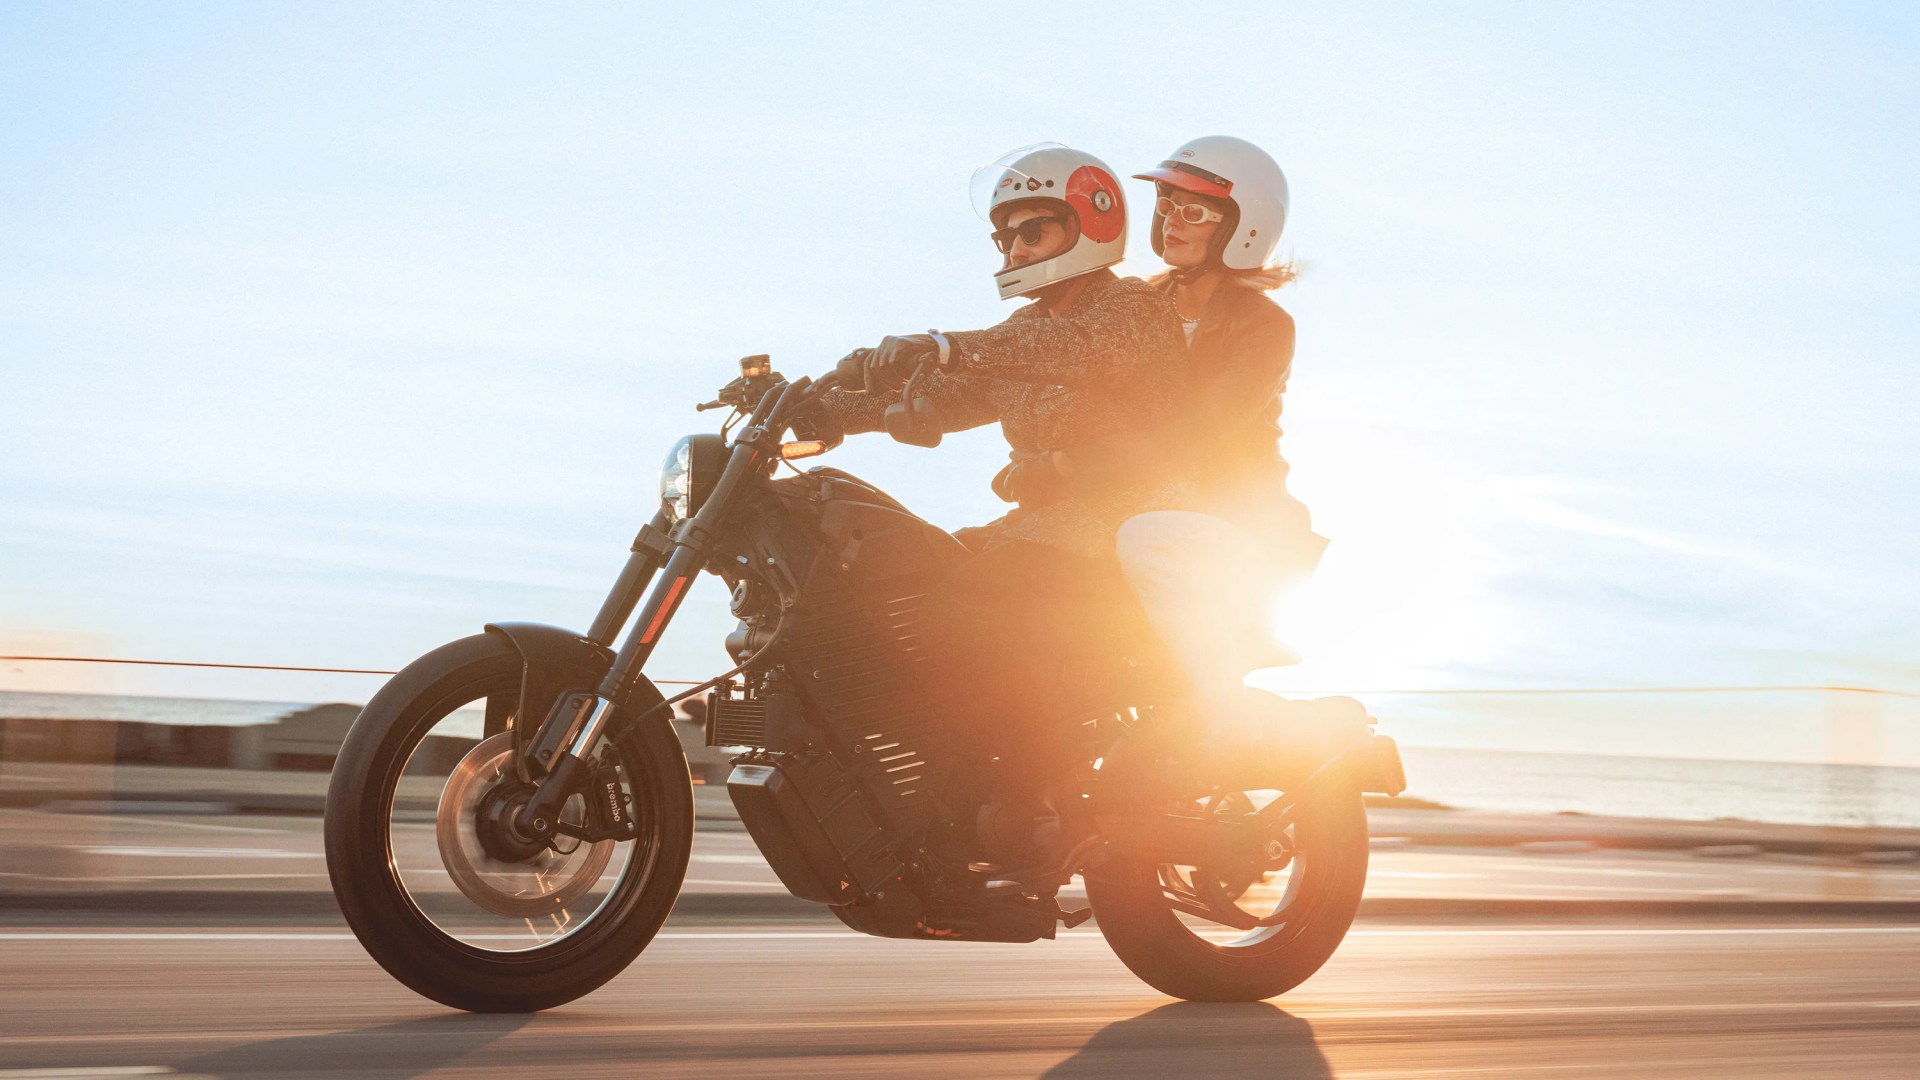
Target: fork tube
[(632, 584), (693, 544), (592, 713), (661, 603)]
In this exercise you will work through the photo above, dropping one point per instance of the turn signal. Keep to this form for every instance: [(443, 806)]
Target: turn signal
[(794, 451)]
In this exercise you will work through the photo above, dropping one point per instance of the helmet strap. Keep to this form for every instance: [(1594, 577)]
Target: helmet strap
[(1060, 295), (1187, 275)]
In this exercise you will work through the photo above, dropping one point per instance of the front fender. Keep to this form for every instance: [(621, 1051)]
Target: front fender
[(540, 643), (553, 661), (556, 662)]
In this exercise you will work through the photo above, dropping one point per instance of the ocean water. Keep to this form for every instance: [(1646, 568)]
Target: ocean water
[(218, 712), (1679, 788), (1512, 781), (151, 710)]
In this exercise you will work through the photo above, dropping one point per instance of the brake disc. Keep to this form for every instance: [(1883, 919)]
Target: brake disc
[(541, 885)]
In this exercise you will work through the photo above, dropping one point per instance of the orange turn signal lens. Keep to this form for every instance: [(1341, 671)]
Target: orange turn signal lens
[(794, 451)]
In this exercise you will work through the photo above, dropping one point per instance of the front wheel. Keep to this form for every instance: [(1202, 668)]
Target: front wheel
[(446, 907), (1204, 934)]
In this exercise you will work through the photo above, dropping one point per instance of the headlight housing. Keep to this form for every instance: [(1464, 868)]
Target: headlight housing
[(692, 469)]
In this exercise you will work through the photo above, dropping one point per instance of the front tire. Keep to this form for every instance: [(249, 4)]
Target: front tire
[(1176, 953), (420, 922)]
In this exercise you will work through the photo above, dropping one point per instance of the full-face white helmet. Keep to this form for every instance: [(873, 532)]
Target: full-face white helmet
[(1072, 179), (1224, 167)]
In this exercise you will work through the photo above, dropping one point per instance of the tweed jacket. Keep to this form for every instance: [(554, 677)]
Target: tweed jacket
[(1224, 433), (1106, 364)]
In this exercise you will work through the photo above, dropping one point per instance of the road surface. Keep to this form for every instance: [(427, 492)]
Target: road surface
[(1630, 998)]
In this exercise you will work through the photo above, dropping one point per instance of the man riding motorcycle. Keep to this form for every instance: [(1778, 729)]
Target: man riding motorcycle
[(1092, 357)]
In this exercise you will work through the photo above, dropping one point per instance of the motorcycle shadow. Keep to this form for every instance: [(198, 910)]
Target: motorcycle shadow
[(387, 1052), (1190, 1038)]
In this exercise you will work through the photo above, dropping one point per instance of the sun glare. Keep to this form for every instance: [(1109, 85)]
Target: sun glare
[(1398, 594)]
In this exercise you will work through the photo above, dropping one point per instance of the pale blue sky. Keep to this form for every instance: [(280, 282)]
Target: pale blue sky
[(330, 332)]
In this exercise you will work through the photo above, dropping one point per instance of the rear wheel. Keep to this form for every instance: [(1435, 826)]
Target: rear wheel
[(425, 878), (1241, 933)]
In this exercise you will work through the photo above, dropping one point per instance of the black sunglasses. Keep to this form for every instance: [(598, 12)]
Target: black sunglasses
[(1029, 231)]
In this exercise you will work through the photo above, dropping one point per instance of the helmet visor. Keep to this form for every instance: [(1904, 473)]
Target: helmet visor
[(1002, 180), (1185, 177)]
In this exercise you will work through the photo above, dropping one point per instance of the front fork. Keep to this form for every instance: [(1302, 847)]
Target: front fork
[(558, 750), (578, 720)]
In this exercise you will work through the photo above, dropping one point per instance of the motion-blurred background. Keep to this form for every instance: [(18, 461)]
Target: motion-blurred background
[(332, 333)]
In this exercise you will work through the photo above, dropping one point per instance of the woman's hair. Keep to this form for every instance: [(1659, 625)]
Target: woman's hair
[(1260, 279), (1266, 278)]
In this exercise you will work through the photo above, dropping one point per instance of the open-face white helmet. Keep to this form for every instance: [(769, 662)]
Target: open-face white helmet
[(1067, 178), (1224, 167)]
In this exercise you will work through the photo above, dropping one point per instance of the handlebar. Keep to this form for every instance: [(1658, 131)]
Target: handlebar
[(767, 399)]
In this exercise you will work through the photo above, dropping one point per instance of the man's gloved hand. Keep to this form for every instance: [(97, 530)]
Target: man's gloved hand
[(852, 370), (890, 365)]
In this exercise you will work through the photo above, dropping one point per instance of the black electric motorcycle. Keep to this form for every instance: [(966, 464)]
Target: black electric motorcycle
[(510, 817)]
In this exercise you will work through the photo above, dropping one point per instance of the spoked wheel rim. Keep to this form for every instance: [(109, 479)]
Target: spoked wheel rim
[(1209, 901), (466, 891)]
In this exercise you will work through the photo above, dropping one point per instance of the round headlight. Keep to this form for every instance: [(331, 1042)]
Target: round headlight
[(691, 470), (676, 480)]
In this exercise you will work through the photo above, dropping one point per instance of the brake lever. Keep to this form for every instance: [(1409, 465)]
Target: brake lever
[(911, 420), (920, 371), (708, 406)]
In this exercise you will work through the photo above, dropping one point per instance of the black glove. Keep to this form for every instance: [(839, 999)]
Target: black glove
[(852, 370), (891, 364)]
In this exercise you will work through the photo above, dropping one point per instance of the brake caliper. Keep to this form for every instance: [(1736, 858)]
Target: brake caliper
[(611, 819)]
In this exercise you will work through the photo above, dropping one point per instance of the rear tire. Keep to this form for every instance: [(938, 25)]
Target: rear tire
[(389, 920), (1157, 944)]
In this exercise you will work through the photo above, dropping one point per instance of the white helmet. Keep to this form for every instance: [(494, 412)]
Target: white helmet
[(1052, 173), (1223, 167)]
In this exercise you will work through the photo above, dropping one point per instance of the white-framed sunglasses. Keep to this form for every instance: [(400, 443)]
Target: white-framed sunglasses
[(1192, 213)]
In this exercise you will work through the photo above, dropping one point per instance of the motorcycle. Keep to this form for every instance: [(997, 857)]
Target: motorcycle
[(510, 817)]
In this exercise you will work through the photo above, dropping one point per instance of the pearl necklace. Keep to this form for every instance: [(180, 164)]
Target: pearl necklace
[(1184, 317)]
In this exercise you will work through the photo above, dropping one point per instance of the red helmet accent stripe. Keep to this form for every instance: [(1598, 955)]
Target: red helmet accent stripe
[(1095, 198)]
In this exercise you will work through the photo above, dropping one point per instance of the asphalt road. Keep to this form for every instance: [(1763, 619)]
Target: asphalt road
[(1641, 998)]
